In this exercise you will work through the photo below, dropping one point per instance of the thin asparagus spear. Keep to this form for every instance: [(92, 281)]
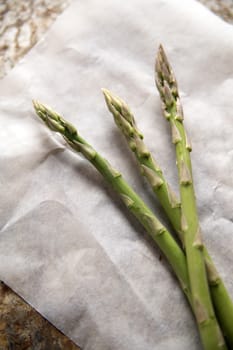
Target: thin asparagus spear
[(132, 201), (125, 121), (202, 302)]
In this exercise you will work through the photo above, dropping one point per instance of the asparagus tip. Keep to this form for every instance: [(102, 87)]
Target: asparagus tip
[(105, 91), (37, 105), (53, 120), (108, 97), (111, 99), (115, 103), (161, 50), (40, 109)]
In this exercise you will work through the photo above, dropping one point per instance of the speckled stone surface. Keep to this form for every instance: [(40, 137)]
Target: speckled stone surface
[(222, 8), (22, 23), (22, 328)]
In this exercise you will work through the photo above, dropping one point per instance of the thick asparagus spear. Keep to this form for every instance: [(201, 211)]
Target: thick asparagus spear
[(125, 121), (222, 301), (202, 302), (133, 202)]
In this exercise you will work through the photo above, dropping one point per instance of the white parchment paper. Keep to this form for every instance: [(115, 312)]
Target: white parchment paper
[(67, 244)]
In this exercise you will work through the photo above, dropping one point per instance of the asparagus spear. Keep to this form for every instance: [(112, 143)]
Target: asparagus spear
[(133, 202), (202, 302), (125, 121)]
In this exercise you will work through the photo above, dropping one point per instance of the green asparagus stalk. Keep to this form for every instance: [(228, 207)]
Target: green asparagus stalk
[(125, 121), (202, 302), (149, 167), (133, 202)]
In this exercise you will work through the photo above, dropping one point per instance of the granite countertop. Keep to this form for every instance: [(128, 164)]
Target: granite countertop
[(22, 328), (22, 23), (222, 8)]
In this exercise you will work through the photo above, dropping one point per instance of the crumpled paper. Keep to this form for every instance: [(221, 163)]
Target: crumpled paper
[(67, 244)]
